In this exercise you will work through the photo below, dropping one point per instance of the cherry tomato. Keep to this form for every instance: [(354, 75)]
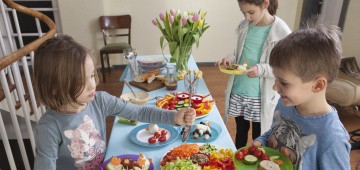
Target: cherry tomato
[(244, 151), (152, 140), (163, 132), (195, 106), (165, 106), (198, 113), (171, 107), (157, 134), (239, 156), (279, 162), (252, 149), (265, 156), (162, 139), (258, 153)]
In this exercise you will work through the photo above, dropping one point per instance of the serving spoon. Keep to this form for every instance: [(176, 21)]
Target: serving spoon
[(132, 91)]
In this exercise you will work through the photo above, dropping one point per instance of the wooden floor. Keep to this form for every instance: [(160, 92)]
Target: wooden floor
[(216, 82)]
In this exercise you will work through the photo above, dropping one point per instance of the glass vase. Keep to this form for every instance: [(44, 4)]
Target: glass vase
[(180, 56), (191, 87)]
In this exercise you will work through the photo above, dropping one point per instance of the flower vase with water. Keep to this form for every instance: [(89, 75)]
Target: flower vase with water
[(171, 81)]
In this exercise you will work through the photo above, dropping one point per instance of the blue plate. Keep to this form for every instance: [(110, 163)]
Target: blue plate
[(215, 132), (140, 135)]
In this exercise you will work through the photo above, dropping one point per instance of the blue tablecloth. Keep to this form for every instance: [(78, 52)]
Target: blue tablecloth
[(119, 142)]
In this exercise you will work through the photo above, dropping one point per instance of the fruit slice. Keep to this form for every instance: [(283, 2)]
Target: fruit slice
[(250, 159)]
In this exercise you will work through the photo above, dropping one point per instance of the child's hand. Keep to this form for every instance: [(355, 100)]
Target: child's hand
[(185, 117), (227, 62), (252, 72), (256, 143)]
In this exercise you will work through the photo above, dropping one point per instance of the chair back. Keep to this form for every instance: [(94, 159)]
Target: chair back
[(115, 22)]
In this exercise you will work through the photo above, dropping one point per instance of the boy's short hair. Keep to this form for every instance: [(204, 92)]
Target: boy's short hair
[(309, 52), (59, 71)]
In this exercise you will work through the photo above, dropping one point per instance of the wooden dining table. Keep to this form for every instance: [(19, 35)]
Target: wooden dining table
[(120, 143)]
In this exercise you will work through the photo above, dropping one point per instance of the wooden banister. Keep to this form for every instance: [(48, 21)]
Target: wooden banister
[(15, 56)]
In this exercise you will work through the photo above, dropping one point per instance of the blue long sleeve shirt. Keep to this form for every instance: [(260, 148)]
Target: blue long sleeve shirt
[(310, 142)]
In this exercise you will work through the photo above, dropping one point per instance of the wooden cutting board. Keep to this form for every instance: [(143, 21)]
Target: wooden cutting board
[(156, 84)]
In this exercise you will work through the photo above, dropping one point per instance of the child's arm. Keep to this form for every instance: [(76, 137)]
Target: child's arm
[(264, 70), (262, 139), (46, 151), (337, 156)]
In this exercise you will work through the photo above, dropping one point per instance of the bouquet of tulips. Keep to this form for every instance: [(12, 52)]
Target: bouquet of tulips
[(181, 30)]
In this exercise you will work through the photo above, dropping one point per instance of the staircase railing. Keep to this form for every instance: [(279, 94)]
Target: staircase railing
[(10, 74)]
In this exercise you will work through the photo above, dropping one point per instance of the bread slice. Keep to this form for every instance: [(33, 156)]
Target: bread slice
[(148, 77), (268, 165)]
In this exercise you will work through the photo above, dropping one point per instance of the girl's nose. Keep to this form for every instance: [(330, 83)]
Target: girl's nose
[(247, 17)]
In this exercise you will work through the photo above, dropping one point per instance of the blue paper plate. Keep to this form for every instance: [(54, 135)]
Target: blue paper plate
[(140, 135), (215, 133)]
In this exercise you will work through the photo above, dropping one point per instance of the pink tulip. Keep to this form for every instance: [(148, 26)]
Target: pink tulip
[(171, 19), (172, 12), (183, 20), (195, 17), (154, 22), (162, 16)]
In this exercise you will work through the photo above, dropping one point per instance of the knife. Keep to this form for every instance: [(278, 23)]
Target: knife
[(187, 129)]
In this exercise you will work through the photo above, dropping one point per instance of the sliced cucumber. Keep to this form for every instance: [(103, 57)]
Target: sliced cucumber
[(179, 105), (186, 105), (181, 102), (250, 159), (273, 158)]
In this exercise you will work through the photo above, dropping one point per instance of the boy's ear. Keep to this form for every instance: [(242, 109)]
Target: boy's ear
[(320, 84), (266, 3)]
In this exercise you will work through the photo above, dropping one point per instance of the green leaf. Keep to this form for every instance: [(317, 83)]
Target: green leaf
[(196, 37), (162, 41)]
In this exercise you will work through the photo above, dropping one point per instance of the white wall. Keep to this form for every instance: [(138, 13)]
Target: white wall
[(351, 36), (80, 21)]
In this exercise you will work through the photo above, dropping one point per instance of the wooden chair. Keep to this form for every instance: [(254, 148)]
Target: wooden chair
[(110, 27)]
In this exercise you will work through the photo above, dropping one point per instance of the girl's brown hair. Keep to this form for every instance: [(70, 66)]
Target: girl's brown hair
[(273, 4), (309, 52), (59, 71)]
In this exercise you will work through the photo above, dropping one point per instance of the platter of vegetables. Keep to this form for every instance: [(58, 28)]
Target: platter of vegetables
[(252, 158), (176, 101), (198, 156)]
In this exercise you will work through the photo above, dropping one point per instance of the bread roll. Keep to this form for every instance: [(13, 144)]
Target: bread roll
[(268, 165), (140, 78)]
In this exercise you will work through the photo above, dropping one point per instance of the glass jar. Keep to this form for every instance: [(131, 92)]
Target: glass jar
[(171, 81)]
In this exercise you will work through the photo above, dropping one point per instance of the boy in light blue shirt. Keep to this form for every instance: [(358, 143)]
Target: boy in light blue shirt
[(305, 127)]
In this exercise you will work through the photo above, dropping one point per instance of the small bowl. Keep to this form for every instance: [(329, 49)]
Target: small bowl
[(143, 97)]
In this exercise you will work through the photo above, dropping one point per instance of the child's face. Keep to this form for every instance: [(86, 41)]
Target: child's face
[(254, 14), (292, 89), (88, 93)]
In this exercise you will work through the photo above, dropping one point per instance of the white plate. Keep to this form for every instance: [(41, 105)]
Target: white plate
[(140, 135)]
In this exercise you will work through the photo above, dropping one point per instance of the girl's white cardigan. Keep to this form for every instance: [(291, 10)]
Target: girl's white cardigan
[(269, 97)]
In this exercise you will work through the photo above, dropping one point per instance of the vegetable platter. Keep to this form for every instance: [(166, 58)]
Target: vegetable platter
[(251, 157), (176, 101), (193, 156)]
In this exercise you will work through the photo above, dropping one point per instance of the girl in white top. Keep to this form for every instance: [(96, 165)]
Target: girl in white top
[(249, 97)]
